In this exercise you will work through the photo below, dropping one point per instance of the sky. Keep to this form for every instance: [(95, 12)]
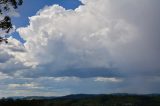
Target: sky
[(62, 47)]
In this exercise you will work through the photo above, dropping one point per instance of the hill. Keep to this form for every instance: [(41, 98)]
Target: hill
[(86, 100)]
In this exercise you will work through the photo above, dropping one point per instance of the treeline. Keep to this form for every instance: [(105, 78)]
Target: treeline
[(99, 100)]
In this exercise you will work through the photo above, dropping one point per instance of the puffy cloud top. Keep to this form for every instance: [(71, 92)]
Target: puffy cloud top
[(74, 39)]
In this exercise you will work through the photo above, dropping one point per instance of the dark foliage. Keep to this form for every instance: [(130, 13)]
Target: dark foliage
[(5, 6), (94, 100)]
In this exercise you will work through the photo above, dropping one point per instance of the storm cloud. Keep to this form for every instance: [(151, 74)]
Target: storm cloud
[(111, 44)]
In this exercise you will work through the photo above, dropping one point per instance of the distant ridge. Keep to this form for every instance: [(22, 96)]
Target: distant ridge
[(117, 99), (76, 96)]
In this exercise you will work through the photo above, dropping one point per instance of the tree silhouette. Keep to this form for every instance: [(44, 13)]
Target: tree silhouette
[(5, 23)]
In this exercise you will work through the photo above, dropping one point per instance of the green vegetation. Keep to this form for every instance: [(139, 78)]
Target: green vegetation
[(87, 100), (5, 22)]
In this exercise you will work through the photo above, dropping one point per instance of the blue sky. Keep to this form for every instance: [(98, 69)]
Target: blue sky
[(104, 46), (30, 8)]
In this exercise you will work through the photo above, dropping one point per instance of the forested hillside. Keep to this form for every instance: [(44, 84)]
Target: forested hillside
[(87, 100)]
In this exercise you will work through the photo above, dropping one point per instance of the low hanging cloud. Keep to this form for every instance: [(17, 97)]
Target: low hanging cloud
[(103, 41)]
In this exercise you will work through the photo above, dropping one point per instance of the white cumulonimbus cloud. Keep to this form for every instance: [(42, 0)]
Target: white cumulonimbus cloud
[(59, 39)]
